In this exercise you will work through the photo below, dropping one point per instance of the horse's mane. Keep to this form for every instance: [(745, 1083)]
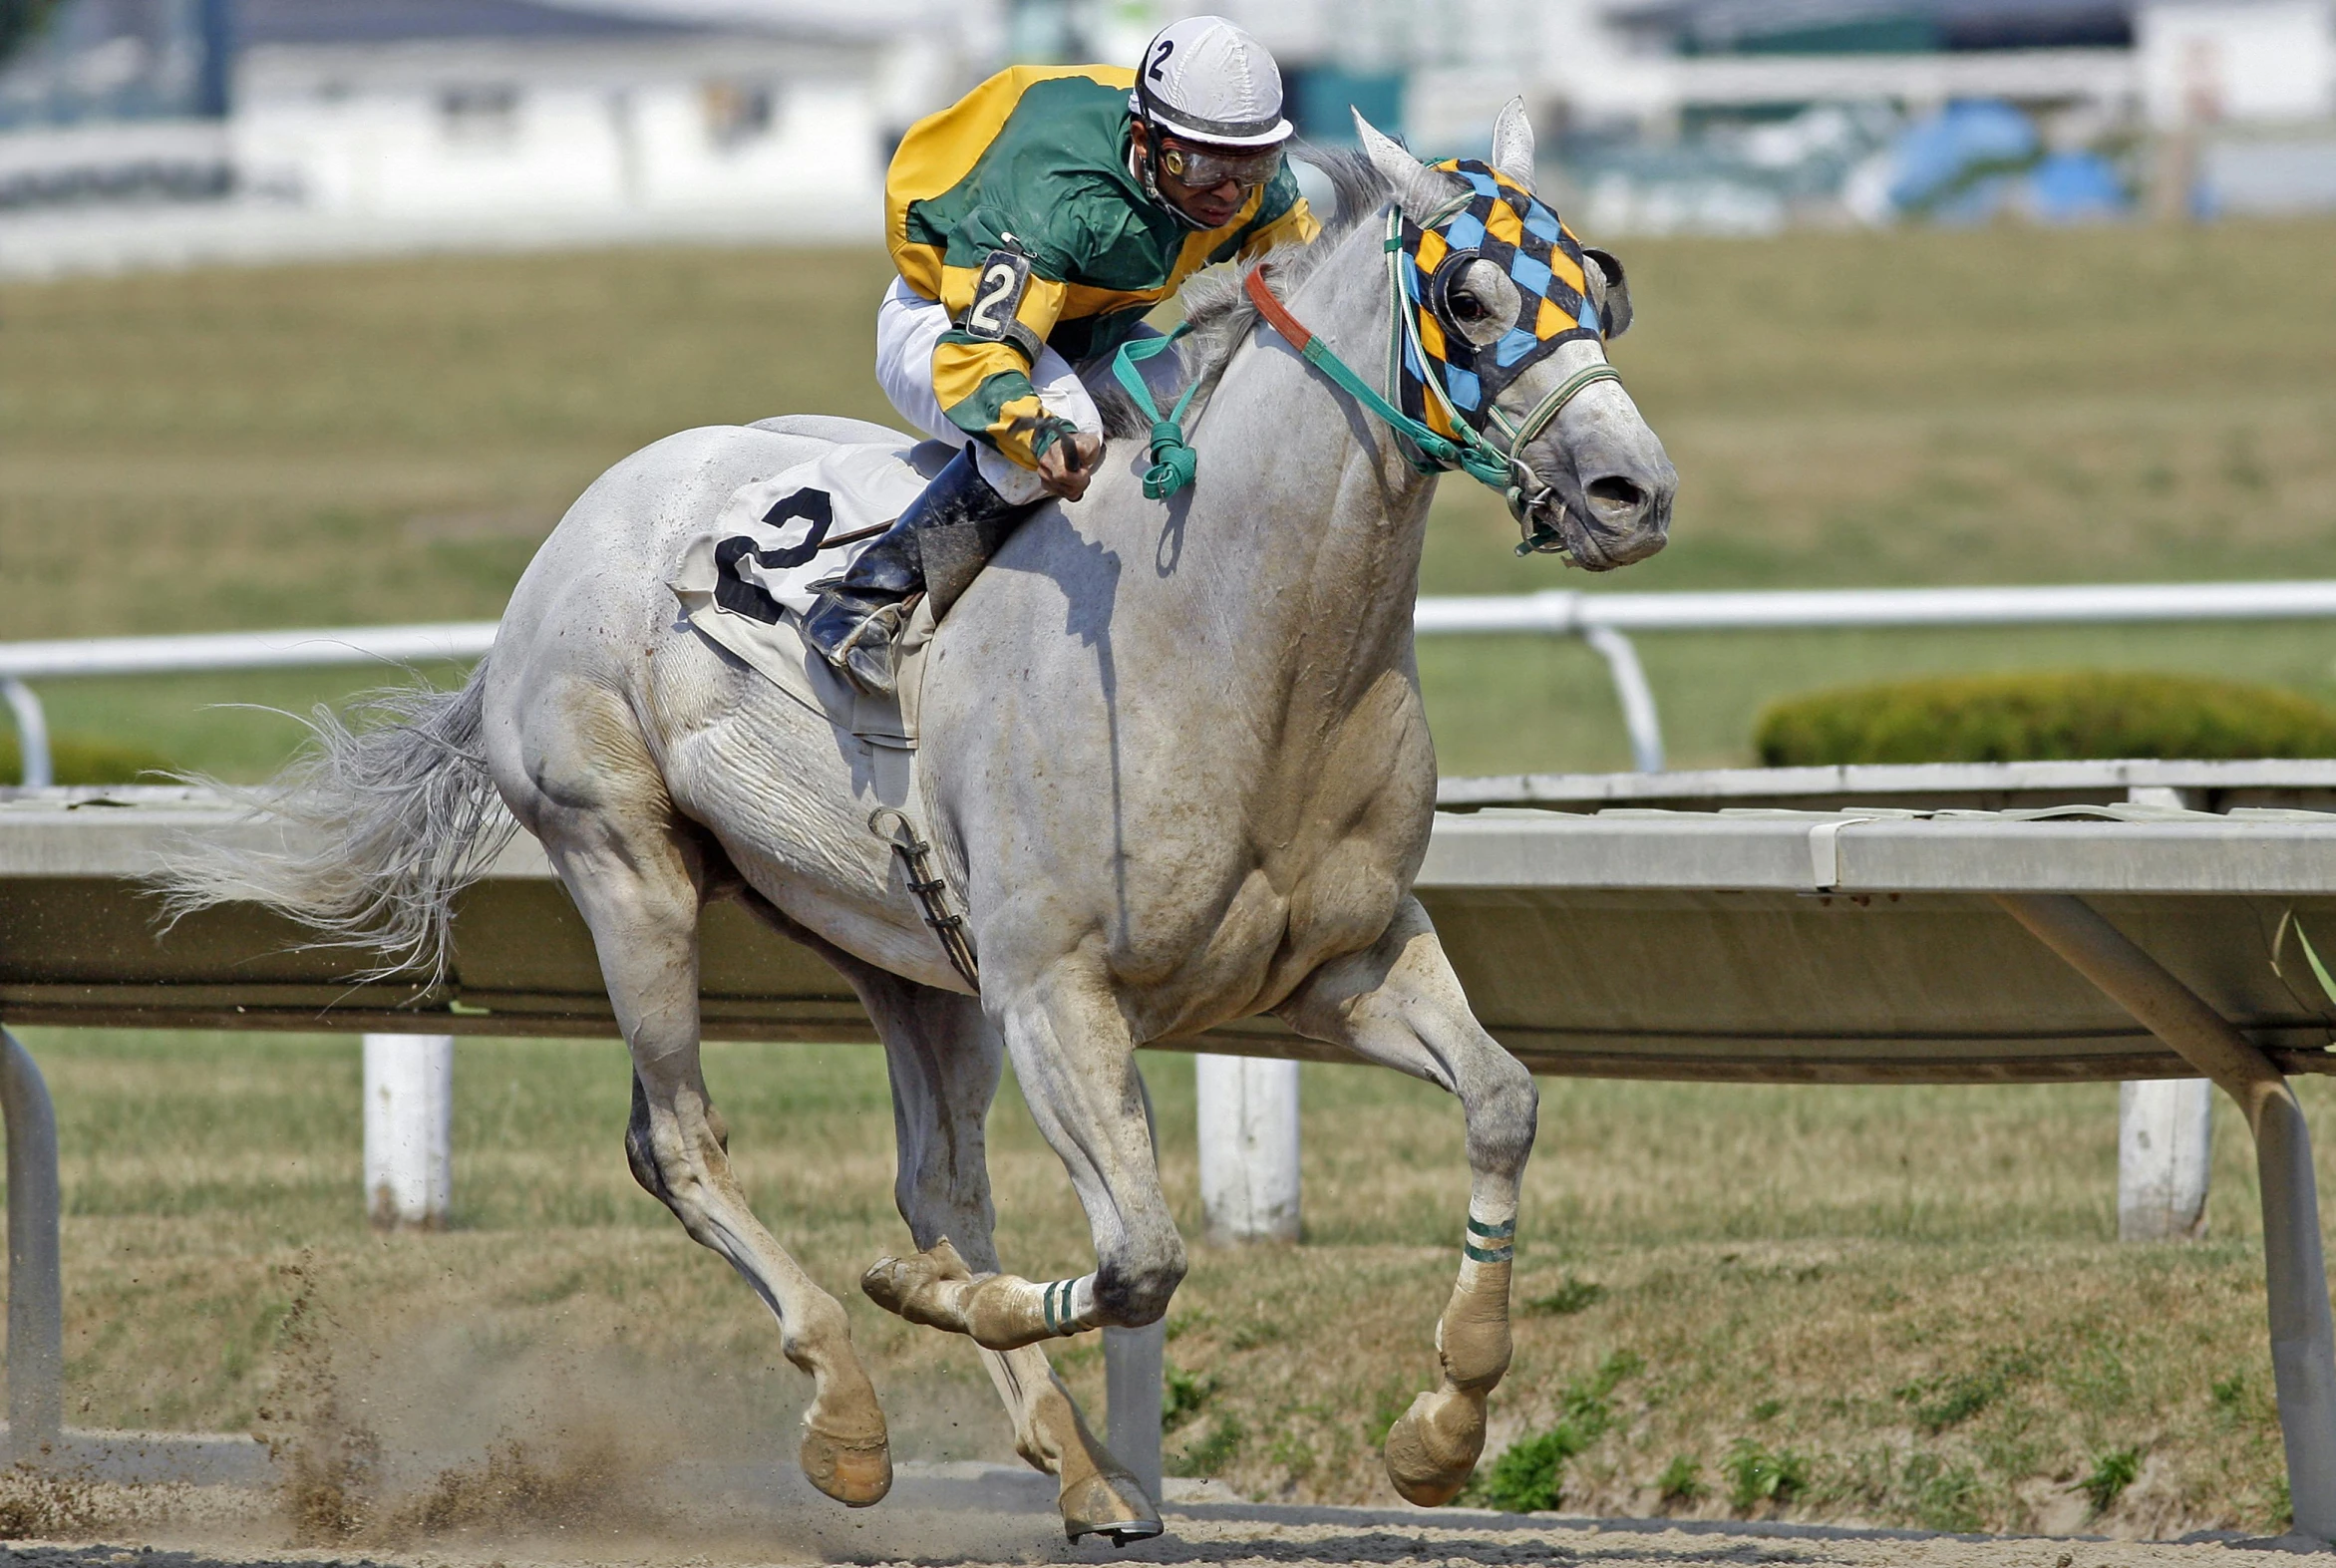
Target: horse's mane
[(1218, 309)]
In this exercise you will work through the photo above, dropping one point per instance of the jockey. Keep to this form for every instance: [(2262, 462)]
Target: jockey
[(1034, 223)]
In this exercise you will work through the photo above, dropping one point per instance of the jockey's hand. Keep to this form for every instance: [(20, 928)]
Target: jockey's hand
[(1067, 466)]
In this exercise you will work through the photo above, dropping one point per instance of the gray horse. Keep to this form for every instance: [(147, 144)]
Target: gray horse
[(1176, 772)]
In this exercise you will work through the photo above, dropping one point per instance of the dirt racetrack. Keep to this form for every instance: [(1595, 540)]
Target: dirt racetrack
[(1004, 1528)]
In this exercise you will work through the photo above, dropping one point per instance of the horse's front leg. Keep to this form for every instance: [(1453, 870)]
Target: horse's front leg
[(1399, 1004), (1076, 1060), (946, 1060)]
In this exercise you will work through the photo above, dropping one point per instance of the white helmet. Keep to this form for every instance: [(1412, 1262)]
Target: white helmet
[(1207, 79)]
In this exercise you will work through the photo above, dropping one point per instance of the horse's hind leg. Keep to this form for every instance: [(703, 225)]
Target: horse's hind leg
[(945, 1061), (638, 877), (1398, 1002)]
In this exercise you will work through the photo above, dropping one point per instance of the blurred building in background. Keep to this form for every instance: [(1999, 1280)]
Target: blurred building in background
[(153, 131), (1751, 115), (522, 111), (113, 100), (347, 125)]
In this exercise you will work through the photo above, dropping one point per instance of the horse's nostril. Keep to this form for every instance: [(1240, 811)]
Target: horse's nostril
[(1613, 495)]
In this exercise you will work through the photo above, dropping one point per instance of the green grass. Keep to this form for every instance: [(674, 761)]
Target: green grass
[(386, 440), (1897, 1305)]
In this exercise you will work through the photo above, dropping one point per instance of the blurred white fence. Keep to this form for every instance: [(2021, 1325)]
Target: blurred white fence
[(1605, 621)]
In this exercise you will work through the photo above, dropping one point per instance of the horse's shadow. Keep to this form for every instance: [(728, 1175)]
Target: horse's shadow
[(1088, 572), (1502, 1542)]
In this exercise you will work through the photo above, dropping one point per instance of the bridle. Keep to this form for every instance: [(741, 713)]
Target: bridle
[(1442, 378), (1463, 445)]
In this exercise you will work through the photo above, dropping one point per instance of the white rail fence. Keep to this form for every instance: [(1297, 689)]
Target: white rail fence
[(1249, 1110), (23, 662), (1605, 621)]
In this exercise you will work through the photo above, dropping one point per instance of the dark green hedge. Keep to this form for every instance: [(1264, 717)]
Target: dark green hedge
[(80, 761), (2043, 716)]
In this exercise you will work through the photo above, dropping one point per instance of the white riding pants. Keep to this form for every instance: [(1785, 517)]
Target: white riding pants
[(909, 329)]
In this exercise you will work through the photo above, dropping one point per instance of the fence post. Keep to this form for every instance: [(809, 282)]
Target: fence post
[(2165, 1127), (408, 1131), (36, 1289), (1248, 1115), (32, 734), (1639, 714), (2165, 1143), (1132, 1363)]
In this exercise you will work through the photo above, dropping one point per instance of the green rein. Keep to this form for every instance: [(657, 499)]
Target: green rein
[(1174, 462)]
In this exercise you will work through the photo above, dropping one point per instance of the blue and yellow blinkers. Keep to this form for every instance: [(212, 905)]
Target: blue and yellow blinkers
[(1502, 222)]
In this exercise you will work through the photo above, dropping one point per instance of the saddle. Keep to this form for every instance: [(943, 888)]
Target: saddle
[(745, 583)]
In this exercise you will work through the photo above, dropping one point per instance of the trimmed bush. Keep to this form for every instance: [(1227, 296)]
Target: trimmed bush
[(2043, 716), (81, 761)]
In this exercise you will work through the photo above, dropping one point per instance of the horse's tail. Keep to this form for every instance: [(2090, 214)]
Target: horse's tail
[(385, 816)]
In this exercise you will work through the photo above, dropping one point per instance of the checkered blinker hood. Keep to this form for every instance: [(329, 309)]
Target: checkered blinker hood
[(1502, 222)]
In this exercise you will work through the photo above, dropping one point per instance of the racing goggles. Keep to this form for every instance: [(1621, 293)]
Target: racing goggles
[(1205, 169)]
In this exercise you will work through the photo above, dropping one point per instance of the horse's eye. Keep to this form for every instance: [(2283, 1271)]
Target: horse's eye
[(1474, 298)]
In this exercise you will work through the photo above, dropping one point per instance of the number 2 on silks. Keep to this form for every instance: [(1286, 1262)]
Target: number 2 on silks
[(997, 295)]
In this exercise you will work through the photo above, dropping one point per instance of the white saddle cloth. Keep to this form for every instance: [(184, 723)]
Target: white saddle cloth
[(812, 521), (747, 583)]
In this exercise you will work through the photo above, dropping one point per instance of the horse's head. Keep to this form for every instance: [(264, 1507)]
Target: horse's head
[(1506, 316)]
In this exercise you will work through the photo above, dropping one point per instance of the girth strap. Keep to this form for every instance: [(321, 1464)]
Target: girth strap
[(930, 891)]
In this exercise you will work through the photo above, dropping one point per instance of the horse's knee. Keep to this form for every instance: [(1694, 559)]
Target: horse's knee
[(1504, 1112), (640, 1151), (1134, 1282), (673, 1178)]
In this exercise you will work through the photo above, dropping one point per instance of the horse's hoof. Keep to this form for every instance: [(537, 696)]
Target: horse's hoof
[(887, 1284), (1109, 1504), (1433, 1449), (857, 1473), (908, 1287)]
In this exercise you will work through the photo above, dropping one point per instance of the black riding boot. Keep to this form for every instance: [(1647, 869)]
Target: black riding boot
[(937, 545)]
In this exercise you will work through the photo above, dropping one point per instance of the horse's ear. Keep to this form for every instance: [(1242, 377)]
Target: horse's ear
[(1418, 189), (1610, 290), (1513, 143)]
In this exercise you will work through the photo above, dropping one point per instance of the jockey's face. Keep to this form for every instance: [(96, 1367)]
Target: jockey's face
[(1209, 183)]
